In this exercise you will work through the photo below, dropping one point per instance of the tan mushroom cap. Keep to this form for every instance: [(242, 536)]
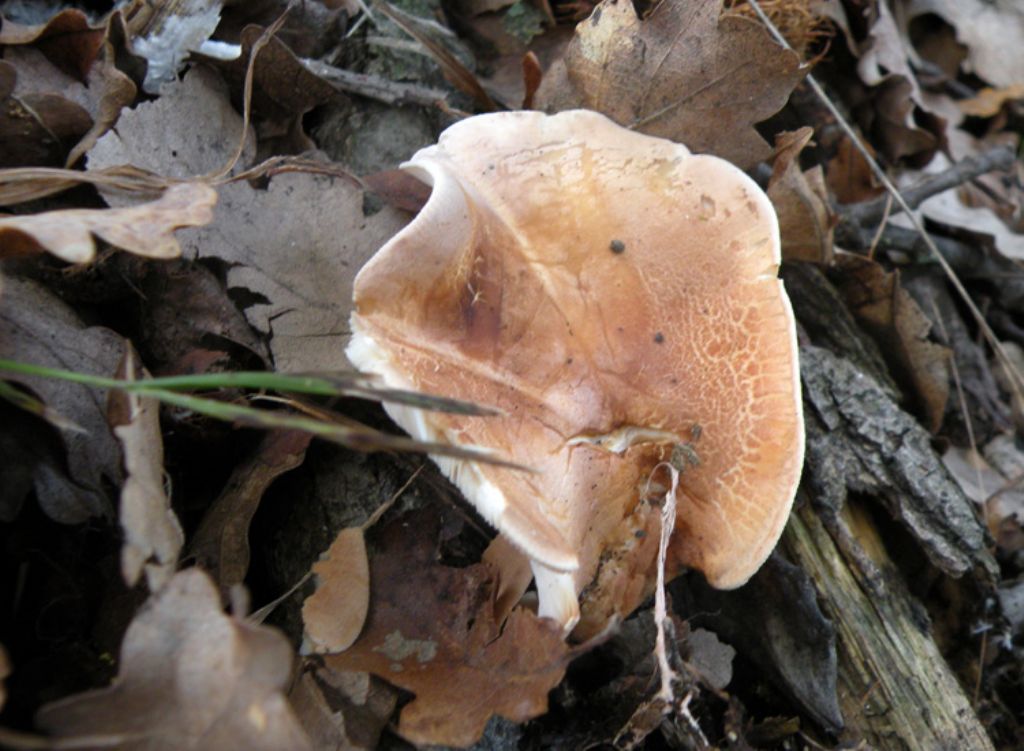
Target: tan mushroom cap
[(609, 291)]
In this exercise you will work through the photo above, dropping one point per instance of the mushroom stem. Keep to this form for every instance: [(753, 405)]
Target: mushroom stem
[(556, 596)]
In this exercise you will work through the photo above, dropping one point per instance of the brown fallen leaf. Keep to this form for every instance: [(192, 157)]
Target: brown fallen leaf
[(849, 177), (37, 327), (152, 534), (68, 39), (342, 710), (48, 93), (214, 332), (891, 315), (190, 677), (897, 117), (988, 102), (110, 91), (40, 115), (801, 201), (431, 630), (296, 245), (682, 73), (146, 230), (282, 86), (221, 544), (343, 575)]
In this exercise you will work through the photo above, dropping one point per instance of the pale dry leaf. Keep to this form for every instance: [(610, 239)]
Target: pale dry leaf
[(37, 327), (146, 230), (682, 73), (884, 53), (801, 202), (190, 677), (221, 544), (153, 537), (710, 657), (975, 476), (296, 245), (994, 479), (335, 613), (1011, 598), (948, 208), (190, 130), (431, 630), (1004, 508), (992, 30)]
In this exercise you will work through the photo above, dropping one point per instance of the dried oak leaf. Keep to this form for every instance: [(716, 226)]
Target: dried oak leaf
[(68, 39), (801, 201), (190, 677), (146, 230), (152, 534), (47, 97), (343, 574), (682, 73), (37, 327), (431, 630), (295, 246), (221, 544), (342, 710), (41, 111), (282, 86), (893, 318)]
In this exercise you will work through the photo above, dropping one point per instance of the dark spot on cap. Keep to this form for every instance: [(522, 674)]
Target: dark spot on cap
[(568, 361), (659, 338), (617, 246)]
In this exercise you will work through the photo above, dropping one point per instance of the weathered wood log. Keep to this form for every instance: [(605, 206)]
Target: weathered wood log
[(896, 690)]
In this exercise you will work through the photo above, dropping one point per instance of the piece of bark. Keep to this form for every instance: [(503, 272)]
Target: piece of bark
[(896, 690), (860, 441)]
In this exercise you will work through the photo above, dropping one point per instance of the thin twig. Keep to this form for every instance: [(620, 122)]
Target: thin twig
[(996, 159), (374, 87), (881, 226)]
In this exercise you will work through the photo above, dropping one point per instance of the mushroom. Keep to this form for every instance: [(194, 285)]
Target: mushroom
[(614, 295)]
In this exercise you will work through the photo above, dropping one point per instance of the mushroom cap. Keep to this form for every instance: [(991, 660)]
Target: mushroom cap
[(609, 291)]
